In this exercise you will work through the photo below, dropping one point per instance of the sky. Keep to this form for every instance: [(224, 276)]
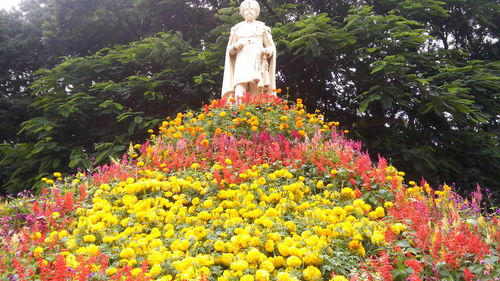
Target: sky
[(8, 4)]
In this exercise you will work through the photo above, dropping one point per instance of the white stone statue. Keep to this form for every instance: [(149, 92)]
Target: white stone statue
[(250, 64)]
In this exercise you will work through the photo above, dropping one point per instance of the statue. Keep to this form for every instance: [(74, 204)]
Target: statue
[(250, 63)]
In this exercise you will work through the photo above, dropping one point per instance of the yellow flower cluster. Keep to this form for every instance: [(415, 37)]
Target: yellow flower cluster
[(244, 119), (275, 223)]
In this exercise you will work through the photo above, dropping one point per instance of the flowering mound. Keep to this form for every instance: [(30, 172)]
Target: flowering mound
[(260, 190)]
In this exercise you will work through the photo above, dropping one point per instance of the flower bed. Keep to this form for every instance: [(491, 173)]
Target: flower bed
[(260, 190)]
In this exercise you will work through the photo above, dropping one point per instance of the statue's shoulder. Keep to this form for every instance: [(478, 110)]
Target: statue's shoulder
[(260, 24), (263, 26), (237, 26)]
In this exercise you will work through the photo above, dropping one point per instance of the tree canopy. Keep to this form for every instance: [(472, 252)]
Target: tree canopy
[(416, 81)]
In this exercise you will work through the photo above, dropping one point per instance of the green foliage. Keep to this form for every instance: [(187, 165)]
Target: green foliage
[(418, 106), (428, 108), (93, 106), (417, 81)]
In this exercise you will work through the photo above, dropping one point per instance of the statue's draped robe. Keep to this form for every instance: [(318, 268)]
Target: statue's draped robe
[(249, 65)]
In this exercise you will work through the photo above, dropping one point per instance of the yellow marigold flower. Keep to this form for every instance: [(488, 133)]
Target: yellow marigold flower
[(195, 201), (262, 275), (38, 251), (267, 265), (204, 215), (320, 184), (239, 265), (57, 174), (129, 200), (253, 255), (354, 244), (349, 208), (219, 246), (156, 243), (56, 215), (222, 114), (312, 273), (347, 191), (293, 261), (111, 271), (284, 276), (228, 161), (378, 238), (108, 239), (226, 259), (397, 228), (380, 212), (261, 181), (312, 259), (388, 204), (247, 277), (208, 204), (132, 262), (291, 226), (339, 278), (136, 271), (184, 245), (267, 223), (89, 238), (156, 269), (254, 128), (93, 250), (54, 235), (127, 253)]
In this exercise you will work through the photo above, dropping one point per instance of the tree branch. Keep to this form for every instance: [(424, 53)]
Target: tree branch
[(264, 2)]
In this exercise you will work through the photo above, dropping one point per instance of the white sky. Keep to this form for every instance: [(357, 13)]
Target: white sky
[(8, 4)]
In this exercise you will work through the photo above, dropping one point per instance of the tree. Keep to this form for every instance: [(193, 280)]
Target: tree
[(417, 81), (432, 110), (93, 107)]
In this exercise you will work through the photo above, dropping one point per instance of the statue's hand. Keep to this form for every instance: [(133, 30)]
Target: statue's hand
[(266, 52), (235, 48)]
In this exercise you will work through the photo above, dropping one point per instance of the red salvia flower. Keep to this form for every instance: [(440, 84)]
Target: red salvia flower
[(468, 275)]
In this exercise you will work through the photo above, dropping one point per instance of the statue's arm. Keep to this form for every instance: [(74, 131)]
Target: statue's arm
[(269, 47), (233, 45)]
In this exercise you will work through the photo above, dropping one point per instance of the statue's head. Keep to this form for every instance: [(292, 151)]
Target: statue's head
[(249, 10)]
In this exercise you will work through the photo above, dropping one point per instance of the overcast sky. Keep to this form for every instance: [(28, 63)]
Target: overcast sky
[(8, 4)]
